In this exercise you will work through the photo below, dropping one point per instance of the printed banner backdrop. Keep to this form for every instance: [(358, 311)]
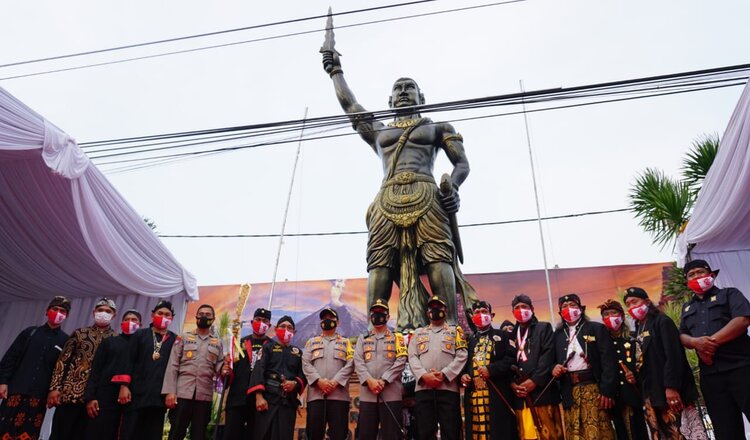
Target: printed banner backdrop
[(303, 301)]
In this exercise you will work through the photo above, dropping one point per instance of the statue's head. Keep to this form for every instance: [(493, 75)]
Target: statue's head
[(405, 93)]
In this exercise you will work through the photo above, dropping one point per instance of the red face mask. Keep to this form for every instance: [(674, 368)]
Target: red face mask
[(701, 285), (482, 320), (129, 327), (613, 322), (639, 313), (259, 327), (284, 335), (570, 314), (161, 322), (523, 315), (55, 318)]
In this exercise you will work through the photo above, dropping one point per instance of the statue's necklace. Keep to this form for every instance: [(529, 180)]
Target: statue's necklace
[(404, 123)]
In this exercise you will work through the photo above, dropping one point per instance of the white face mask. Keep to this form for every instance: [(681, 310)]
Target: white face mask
[(102, 318)]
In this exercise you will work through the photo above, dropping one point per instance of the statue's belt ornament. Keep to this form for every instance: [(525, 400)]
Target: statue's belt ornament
[(406, 197)]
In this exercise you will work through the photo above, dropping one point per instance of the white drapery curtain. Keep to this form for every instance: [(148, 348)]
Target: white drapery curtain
[(719, 228), (65, 230)]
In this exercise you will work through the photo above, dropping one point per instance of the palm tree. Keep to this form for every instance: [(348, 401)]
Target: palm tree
[(662, 204)]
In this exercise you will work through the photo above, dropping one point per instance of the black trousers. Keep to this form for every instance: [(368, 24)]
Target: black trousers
[(105, 426), (373, 415), (438, 407), (629, 419), (727, 396), (143, 424), (69, 421), (333, 413), (193, 413), (240, 423)]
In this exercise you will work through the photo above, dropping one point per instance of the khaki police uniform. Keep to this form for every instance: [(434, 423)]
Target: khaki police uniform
[(441, 349), (380, 356), (194, 362), (328, 358)]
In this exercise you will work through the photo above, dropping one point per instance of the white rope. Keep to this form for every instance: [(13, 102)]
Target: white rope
[(538, 211), (286, 211)]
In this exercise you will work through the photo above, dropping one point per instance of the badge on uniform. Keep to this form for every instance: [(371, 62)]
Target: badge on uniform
[(589, 338), (687, 308), (295, 350), (448, 346), (368, 356), (713, 298), (645, 333), (626, 345), (189, 355), (421, 346), (497, 338)]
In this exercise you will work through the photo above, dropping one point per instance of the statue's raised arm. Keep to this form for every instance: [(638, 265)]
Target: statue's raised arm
[(363, 122)]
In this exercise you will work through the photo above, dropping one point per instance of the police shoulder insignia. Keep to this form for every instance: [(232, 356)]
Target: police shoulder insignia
[(460, 340), (214, 341)]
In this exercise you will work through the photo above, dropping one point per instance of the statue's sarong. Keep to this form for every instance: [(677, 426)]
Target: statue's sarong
[(409, 229)]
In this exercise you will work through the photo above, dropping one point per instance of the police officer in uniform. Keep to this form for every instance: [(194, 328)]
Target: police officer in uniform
[(241, 411), (328, 364), (379, 360), (196, 359), (276, 383), (437, 354), (714, 323)]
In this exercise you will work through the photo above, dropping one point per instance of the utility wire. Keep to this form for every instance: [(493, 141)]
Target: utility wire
[(324, 234), (508, 99), (279, 142), (256, 40), (214, 33)]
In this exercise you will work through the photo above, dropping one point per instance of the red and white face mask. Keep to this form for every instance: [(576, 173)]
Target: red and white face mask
[(613, 322), (285, 336), (639, 312), (259, 327), (482, 320), (161, 322), (523, 315), (570, 314), (129, 327), (55, 318), (701, 285)]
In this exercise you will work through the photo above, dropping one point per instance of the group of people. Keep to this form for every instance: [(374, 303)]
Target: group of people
[(611, 382)]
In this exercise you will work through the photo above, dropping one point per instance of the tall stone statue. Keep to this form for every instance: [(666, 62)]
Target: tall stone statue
[(411, 222)]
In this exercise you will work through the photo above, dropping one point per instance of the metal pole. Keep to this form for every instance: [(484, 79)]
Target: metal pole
[(538, 211), (286, 211)]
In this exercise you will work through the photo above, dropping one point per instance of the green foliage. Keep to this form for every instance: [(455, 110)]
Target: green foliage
[(224, 324), (661, 205), (675, 286), (698, 160)]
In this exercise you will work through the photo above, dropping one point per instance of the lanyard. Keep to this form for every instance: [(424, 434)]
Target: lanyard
[(521, 342)]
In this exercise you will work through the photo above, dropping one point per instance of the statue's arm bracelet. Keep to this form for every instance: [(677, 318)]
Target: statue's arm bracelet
[(335, 71)]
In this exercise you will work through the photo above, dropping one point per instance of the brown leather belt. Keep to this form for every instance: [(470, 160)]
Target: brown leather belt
[(583, 377)]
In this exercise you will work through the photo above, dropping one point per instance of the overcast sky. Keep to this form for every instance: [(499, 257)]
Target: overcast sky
[(587, 157)]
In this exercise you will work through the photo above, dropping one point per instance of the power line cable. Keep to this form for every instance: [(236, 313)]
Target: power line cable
[(273, 37), (279, 142), (324, 234), (508, 99), (211, 34)]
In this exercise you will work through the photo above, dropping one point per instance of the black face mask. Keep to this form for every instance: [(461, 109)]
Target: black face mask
[(378, 318), (328, 324), (204, 322), (436, 314)]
